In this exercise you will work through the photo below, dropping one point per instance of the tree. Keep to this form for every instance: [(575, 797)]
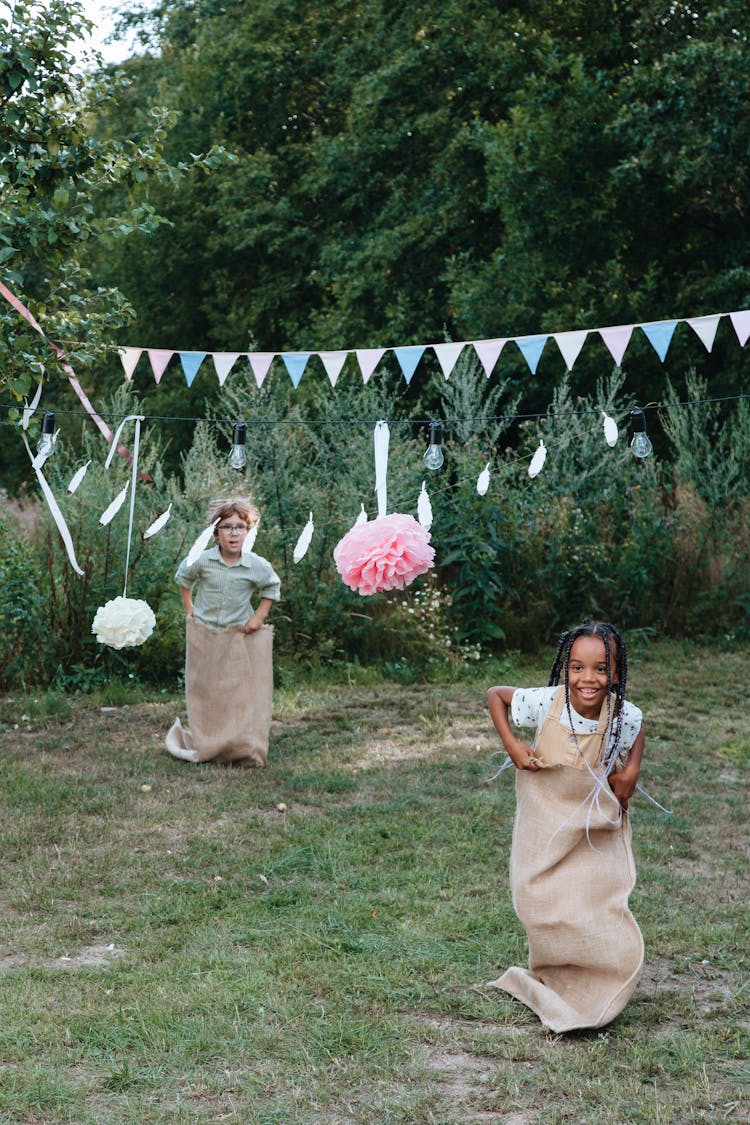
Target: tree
[(53, 171)]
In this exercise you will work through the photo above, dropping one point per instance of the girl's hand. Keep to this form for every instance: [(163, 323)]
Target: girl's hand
[(623, 783), (523, 757), (253, 624)]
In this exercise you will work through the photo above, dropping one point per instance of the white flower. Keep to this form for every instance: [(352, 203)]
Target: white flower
[(123, 622)]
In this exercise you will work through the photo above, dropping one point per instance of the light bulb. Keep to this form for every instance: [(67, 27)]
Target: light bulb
[(238, 458), (640, 446), (47, 437), (433, 458)]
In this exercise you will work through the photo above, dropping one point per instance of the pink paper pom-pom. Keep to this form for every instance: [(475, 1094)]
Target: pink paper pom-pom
[(385, 554)]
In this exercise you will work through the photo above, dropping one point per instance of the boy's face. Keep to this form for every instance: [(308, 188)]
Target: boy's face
[(587, 675), (230, 534)]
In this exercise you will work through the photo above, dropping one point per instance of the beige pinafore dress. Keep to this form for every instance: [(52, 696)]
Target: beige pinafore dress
[(571, 873)]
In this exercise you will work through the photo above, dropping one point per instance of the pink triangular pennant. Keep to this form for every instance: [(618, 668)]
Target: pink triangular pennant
[(570, 344), (705, 327), (333, 362), (260, 363), (489, 352), (159, 359), (741, 322), (617, 339), (223, 364), (368, 359), (447, 355), (129, 358)]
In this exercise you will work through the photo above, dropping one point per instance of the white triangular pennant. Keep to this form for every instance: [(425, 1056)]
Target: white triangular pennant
[(333, 363), (705, 328), (570, 344), (129, 358), (489, 353), (447, 355), (368, 359), (741, 324), (617, 339), (483, 480), (223, 364), (260, 362)]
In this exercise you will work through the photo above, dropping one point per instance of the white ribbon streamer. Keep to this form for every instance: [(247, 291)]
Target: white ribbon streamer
[(54, 508), (382, 437)]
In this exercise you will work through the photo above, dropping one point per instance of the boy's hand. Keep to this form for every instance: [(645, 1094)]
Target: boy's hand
[(253, 624)]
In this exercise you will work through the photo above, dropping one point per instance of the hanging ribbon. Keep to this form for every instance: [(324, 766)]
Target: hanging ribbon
[(381, 437), (72, 378)]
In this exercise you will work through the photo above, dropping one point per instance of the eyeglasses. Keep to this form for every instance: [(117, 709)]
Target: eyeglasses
[(230, 527)]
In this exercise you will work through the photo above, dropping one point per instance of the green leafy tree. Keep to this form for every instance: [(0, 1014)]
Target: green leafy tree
[(58, 184)]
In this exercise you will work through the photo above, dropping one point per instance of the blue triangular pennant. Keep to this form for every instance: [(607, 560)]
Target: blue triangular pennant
[(531, 349), (660, 335), (191, 361), (295, 362), (408, 358)]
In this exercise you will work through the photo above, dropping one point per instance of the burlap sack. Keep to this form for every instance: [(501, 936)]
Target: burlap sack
[(570, 890), (228, 692)]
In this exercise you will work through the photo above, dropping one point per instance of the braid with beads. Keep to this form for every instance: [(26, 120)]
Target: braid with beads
[(612, 640)]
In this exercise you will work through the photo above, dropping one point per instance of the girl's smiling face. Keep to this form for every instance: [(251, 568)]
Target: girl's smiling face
[(587, 675)]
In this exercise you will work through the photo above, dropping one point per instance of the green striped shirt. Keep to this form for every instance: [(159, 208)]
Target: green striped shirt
[(226, 595)]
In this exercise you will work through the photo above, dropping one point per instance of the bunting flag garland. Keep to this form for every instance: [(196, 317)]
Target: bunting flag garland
[(616, 339), (483, 480)]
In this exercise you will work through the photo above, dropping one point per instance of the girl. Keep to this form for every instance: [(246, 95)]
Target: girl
[(229, 657), (571, 864)]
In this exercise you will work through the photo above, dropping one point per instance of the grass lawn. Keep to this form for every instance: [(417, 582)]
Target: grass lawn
[(310, 943)]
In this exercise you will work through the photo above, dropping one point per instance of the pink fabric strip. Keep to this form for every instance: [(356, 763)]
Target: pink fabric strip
[(72, 377)]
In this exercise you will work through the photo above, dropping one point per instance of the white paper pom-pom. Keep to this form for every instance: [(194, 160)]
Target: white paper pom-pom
[(123, 622)]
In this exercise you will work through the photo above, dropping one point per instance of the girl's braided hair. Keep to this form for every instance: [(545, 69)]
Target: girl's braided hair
[(617, 678)]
